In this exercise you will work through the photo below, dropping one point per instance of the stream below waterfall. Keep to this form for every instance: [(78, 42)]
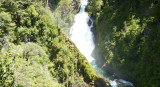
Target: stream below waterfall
[(81, 35)]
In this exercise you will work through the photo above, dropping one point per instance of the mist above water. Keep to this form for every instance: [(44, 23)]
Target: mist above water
[(81, 35)]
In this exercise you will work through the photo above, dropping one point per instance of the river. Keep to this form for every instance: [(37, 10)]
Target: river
[(81, 35)]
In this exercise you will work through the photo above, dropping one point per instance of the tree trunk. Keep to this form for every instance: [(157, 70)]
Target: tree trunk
[(47, 3)]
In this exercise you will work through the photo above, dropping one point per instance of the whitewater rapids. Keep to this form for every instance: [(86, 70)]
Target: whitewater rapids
[(81, 35)]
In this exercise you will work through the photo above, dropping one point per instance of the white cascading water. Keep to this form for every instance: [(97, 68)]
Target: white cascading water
[(81, 35)]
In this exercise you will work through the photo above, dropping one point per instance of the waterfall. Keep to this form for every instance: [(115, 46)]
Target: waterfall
[(81, 35)]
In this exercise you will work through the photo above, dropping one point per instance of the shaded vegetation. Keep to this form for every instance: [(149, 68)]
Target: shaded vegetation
[(128, 38)]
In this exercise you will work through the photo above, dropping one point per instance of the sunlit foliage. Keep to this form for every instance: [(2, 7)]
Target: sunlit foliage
[(35, 52), (128, 38)]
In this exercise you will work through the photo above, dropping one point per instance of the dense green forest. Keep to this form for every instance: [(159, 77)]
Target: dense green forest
[(63, 12), (128, 37), (34, 52)]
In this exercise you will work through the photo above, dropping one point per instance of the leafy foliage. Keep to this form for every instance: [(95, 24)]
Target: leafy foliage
[(95, 6), (63, 13), (128, 38), (40, 53), (6, 73)]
